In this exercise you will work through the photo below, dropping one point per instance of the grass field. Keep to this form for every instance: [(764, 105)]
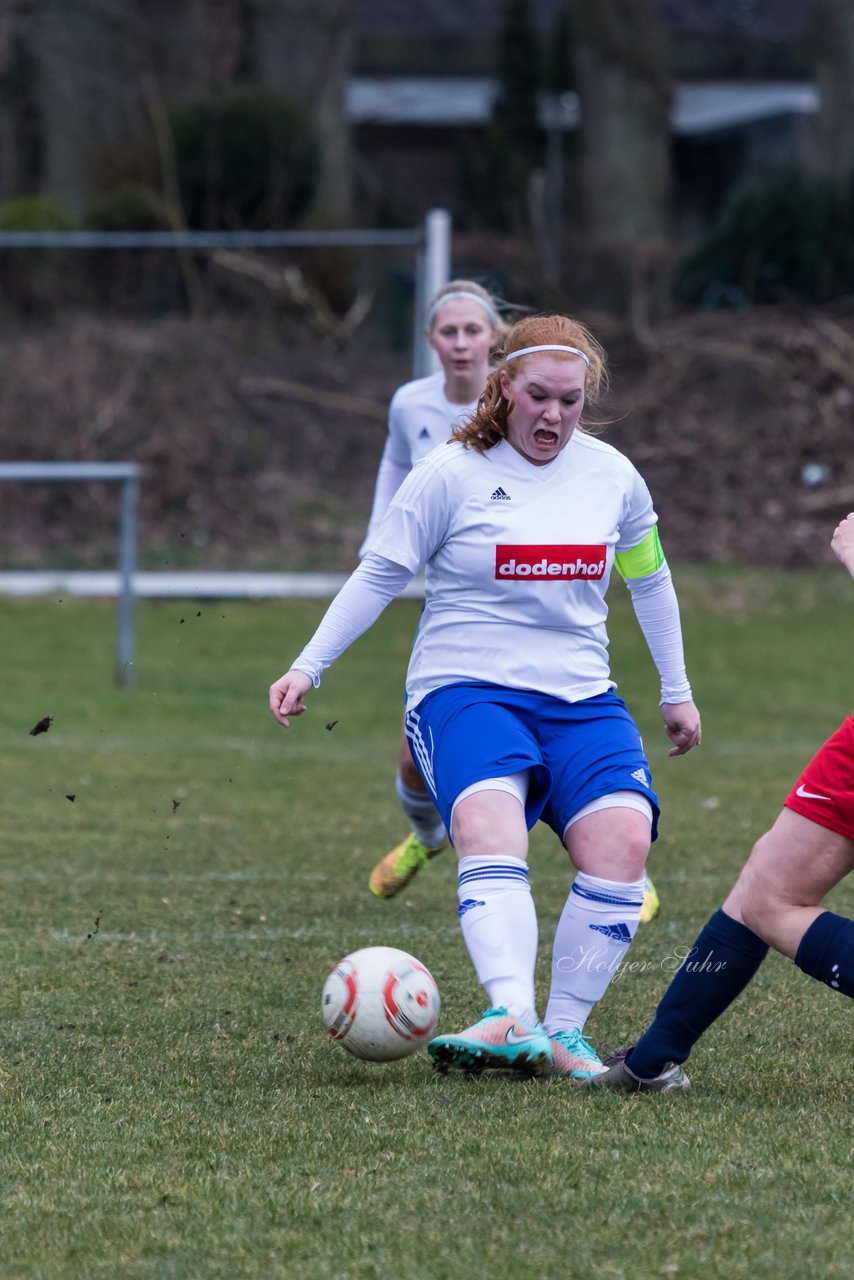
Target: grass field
[(171, 1105)]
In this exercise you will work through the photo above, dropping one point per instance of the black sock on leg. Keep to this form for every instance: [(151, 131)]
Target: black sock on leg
[(826, 952), (718, 967)]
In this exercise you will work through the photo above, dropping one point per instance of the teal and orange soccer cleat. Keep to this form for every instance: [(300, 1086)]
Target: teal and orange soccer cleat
[(498, 1040), (397, 868), (574, 1056)]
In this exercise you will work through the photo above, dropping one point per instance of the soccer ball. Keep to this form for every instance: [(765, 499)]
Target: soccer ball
[(380, 1004)]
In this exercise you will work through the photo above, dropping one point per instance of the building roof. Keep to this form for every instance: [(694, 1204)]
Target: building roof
[(715, 106), (698, 108)]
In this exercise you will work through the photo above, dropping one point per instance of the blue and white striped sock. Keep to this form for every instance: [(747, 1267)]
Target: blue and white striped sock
[(592, 937), (499, 924)]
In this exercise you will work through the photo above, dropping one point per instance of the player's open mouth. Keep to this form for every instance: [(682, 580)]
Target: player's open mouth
[(545, 437)]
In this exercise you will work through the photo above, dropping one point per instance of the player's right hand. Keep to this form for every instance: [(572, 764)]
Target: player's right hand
[(842, 542), (286, 695)]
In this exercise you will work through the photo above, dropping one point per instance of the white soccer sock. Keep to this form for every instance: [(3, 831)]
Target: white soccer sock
[(499, 924), (592, 937), (422, 814)]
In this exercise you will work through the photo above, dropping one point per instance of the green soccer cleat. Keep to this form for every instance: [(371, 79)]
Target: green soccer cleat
[(500, 1041), (397, 868), (651, 903), (617, 1075), (574, 1056)]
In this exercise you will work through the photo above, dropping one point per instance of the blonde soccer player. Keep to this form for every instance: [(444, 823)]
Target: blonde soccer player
[(463, 326)]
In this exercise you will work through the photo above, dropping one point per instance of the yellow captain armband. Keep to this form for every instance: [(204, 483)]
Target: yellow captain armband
[(642, 560)]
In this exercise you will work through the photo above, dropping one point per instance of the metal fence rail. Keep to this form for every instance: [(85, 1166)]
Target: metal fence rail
[(126, 474), (431, 242), (206, 239), (185, 585)]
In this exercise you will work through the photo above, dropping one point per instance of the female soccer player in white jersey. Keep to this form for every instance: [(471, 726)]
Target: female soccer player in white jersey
[(511, 710), (463, 326)]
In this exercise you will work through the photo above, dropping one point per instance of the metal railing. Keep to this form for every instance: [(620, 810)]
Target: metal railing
[(431, 242), (432, 245), (127, 474)]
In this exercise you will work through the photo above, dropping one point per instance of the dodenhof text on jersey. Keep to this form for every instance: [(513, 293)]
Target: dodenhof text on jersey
[(561, 562)]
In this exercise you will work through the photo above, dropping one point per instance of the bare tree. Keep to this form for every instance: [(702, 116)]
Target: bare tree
[(624, 89), (303, 49), (8, 166), (7, 20), (832, 49), (94, 59)]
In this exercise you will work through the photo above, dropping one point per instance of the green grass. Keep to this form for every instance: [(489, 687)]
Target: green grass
[(170, 1105)]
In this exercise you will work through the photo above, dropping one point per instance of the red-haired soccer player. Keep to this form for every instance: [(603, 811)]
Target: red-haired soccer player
[(512, 713)]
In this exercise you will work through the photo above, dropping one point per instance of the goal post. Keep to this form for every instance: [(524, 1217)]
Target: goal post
[(432, 270)]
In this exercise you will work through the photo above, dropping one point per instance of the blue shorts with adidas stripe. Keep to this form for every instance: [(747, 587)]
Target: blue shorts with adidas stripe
[(576, 751)]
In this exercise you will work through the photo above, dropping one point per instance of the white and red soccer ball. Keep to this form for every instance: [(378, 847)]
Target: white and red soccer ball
[(380, 1004)]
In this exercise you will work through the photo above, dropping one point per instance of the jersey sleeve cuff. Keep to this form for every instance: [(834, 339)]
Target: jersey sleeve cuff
[(310, 669), (674, 694)]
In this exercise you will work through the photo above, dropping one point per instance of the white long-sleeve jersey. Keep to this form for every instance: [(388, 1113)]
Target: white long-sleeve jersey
[(518, 560)]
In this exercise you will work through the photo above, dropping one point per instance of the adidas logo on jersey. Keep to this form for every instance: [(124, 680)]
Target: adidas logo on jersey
[(423, 434), (640, 776), (500, 496)]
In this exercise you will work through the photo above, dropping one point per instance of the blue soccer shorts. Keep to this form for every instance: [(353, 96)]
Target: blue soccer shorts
[(576, 751)]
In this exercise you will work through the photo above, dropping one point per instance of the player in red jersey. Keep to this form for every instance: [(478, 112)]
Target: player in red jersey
[(775, 902)]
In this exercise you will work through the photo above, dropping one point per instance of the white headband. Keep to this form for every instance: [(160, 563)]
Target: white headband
[(462, 293), (548, 346)]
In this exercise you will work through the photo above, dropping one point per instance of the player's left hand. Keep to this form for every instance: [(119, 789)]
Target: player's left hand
[(682, 726)]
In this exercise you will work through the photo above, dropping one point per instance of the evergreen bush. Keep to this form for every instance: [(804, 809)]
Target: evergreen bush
[(36, 282), (34, 213), (784, 236), (129, 208), (246, 158)]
